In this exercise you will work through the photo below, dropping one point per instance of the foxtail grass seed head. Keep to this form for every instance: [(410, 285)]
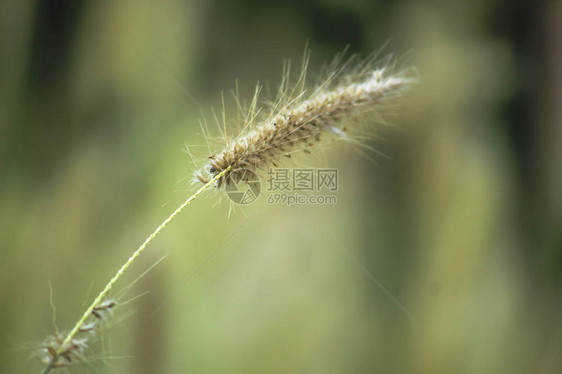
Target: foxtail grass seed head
[(350, 96), (300, 119)]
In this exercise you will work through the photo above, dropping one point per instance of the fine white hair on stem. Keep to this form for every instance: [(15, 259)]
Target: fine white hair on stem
[(301, 118)]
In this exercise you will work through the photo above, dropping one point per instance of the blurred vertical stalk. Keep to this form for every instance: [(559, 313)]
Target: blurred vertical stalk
[(549, 137)]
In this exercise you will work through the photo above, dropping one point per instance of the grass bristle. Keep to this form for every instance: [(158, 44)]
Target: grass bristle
[(57, 353)]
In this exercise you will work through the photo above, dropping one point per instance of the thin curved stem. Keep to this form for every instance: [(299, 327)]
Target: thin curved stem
[(125, 266)]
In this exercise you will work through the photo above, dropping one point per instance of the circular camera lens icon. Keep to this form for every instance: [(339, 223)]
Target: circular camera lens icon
[(244, 188)]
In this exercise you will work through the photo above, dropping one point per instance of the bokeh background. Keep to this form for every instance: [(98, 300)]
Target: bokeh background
[(461, 223)]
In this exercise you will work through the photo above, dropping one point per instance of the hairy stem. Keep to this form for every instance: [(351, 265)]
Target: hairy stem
[(124, 267)]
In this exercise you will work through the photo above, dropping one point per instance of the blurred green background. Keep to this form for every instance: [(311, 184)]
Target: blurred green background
[(462, 224)]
